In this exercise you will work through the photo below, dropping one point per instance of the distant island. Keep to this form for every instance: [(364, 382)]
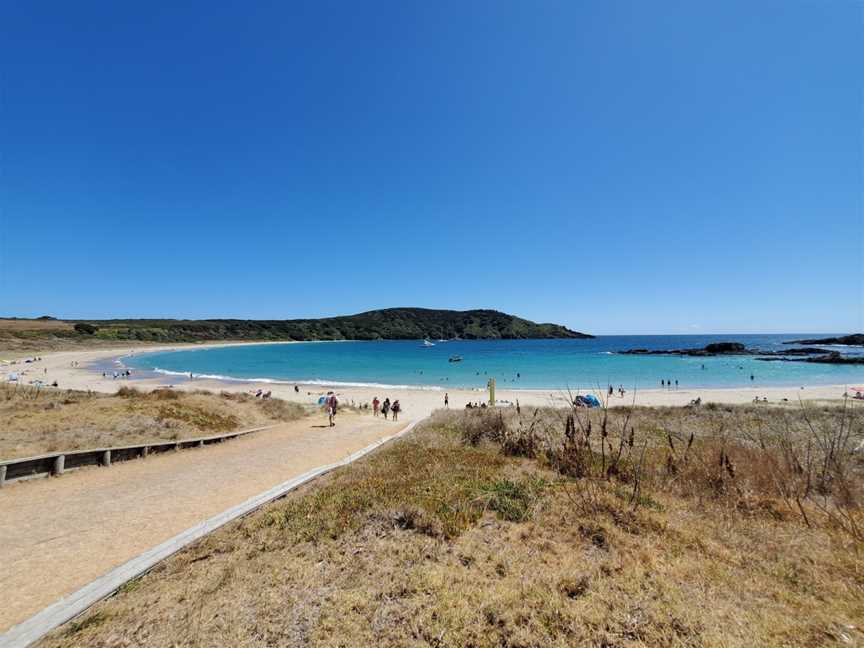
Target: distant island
[(386, 324), (856, 339)]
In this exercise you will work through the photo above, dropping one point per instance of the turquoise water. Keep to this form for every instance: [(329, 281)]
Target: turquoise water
[(525, 364)]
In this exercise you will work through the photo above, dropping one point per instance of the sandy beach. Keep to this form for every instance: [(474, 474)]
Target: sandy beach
[(82, 370)]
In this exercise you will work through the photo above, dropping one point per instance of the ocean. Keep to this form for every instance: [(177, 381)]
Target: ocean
[(515, 364)]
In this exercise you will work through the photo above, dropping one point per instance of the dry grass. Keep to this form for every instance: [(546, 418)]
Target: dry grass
[(27, 342), (41, 421), (451, 537), (34, 325), (33, 337)]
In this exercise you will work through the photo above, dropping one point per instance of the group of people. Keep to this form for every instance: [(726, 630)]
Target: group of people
[(118, 374), (386, 408), (262, 394), (668, 384), (621, 391)]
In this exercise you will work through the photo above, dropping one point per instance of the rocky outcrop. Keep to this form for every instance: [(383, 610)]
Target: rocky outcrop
[(717, 348), (726, 348), (830, 358), (856, 339)]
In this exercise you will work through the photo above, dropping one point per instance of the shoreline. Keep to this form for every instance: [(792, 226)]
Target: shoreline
[(76, 370)]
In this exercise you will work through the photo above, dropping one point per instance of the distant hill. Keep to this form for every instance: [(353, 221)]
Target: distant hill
[(387, 324)]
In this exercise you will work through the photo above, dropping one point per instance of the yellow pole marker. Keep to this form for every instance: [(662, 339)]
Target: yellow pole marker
[(491, 386)]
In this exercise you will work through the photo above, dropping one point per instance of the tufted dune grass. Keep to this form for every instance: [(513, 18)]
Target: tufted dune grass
[(643, 527)]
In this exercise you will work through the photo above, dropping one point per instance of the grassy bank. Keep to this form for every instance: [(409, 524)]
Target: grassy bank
[(40, 421), (727, 526)]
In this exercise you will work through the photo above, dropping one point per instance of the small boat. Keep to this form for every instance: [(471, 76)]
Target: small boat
[(427, 343), (454, 358)]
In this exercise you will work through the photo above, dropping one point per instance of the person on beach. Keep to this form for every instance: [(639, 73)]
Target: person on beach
[(676, 384), (396, 409), (332, 404), (446, 399), (385, 408), (376, 406)]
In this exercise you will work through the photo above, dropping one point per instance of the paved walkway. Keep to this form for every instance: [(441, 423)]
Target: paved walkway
[(59, 534)]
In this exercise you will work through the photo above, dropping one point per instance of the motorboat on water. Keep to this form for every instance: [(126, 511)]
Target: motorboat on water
[(427, 344), (455, 358)]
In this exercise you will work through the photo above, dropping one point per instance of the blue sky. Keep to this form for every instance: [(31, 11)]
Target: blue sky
[(619, 167)]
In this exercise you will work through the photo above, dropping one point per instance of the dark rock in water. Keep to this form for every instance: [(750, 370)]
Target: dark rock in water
[(826, 358), (856, 339), (725, 347), (812, 354), (837, 358), (802, 351), (714, 349)]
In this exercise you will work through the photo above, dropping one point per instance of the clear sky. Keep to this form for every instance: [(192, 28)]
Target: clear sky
[(618, 167)]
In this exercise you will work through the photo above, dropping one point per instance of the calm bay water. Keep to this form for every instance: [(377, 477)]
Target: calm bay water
[(526, 364)]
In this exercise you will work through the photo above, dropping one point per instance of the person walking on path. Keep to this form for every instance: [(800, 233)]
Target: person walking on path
[(385, 408), (376, 406), (332, 404), (446, 399), (396, 409)]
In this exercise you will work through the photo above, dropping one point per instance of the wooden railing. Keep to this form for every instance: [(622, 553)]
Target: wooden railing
[(56, 463)]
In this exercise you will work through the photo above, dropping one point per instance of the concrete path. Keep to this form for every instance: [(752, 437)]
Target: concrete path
[(59, 534)]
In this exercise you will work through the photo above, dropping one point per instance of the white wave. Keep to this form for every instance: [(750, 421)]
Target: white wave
[(315, 381)]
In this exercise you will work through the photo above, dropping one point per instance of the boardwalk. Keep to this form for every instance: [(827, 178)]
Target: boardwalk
[(57, 535)]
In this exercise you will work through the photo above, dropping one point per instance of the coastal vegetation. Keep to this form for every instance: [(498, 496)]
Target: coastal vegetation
[(38, 421), (386, 324), (697, 526)]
